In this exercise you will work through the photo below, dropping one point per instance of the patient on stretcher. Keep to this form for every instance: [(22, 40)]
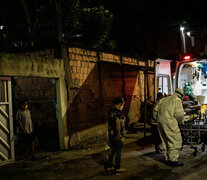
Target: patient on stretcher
[(191, 108)]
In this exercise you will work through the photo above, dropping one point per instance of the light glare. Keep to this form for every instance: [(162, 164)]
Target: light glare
[(182, 28), (187, 57), (188, 33)]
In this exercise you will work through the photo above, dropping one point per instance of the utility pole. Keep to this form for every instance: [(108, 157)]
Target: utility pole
[(62, 52)]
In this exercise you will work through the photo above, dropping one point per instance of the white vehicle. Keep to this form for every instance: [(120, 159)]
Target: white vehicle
[(191, 71), (190, 75)]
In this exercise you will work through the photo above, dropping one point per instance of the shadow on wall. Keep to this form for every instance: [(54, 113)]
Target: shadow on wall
[(93, 100)]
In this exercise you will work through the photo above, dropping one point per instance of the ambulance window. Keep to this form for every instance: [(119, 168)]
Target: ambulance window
[(164, 84)]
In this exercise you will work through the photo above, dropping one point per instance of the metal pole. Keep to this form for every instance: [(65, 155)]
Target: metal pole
[(183, 40), (184, 45), (155, 81), (145, 100), (11, 121)]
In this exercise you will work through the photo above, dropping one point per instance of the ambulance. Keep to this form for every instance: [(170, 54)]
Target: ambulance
[(191, 76)]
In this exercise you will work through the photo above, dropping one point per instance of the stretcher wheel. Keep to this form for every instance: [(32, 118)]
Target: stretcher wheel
[(203, 147), (195, 151)]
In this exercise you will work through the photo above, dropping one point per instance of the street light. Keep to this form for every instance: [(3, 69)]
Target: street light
[(182, 28), (189, 34), (183, 38)]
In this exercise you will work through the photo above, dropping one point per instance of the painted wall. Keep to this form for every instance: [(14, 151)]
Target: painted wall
[(97, 78), (31, 66)]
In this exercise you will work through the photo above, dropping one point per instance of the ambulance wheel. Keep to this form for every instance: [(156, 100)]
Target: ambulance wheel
[(195, 151)]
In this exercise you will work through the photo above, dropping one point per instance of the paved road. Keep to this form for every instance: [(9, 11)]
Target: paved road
[(139, 158)]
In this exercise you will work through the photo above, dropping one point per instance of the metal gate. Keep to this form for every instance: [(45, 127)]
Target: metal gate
[(6, 122)]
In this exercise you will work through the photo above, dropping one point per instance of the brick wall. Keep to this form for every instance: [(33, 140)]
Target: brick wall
[(97, 79), (41, 96), (81, 63)]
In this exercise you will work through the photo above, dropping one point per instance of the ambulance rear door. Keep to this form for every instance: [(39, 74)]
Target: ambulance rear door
[(163, 82)]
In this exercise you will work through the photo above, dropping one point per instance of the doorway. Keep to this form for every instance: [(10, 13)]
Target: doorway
[(41, 96)]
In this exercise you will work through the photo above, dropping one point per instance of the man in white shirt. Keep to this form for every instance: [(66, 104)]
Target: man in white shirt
[(25, 128)]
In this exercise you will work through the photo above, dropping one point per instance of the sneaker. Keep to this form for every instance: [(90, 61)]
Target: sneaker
[(121, 170), (160, 149), (109, 169)]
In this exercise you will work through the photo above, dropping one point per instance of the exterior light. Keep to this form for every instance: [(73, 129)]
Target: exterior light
[(1, 27), (187, 57), (78, 35), (182, 28), (188, 33)]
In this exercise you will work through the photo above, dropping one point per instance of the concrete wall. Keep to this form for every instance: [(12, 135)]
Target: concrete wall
[(19, 65), (97, 78), (31, 66), (41, 95)]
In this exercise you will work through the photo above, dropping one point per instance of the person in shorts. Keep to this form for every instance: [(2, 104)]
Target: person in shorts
[(25, 128)]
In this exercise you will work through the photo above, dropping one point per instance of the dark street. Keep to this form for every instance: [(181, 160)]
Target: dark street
[(138, 157), (76, 74)]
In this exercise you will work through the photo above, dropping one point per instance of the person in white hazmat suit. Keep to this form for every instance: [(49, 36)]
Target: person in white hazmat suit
[(170, 114)]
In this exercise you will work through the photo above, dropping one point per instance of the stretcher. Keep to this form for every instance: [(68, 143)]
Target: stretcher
[(191, 130)]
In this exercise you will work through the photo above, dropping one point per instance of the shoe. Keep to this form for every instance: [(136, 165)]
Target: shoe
[(109, 169), (174, 164), (33, 157), (157, 151), (121, 170)]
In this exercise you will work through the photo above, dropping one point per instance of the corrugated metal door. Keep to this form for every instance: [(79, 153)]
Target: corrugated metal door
[(6, 122)]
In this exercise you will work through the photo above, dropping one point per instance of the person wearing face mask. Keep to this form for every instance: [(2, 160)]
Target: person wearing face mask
[(116, 128), (25, 128)]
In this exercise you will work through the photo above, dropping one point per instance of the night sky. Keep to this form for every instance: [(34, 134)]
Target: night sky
[(146, 13), (130, 18)]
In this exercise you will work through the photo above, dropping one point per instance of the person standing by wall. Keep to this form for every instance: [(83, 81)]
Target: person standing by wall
[(116, 130), (170, 114), (25, 129), (153, 122)]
